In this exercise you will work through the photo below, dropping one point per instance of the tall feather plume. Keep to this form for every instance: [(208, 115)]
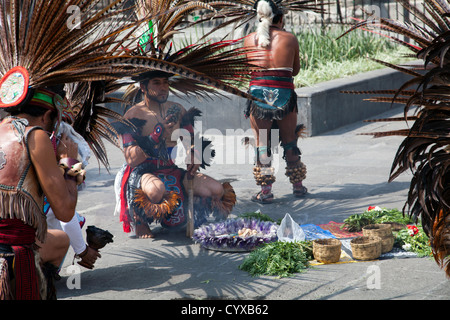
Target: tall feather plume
[(210, 67), (241, 12), (91, 47), (425, 151), (92, 118), (57, 42), (228, 66)]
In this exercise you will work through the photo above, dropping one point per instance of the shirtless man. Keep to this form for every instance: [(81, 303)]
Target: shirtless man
[(281, 62), (160, 119)]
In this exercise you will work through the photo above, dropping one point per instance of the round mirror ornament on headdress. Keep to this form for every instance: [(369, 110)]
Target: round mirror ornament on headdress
[(14, 87)]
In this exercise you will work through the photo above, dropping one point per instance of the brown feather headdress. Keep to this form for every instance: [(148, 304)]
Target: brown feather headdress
[(220, 61), (91, 48), (210, 67)]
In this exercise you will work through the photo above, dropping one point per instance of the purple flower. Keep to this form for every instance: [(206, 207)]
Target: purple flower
[(223, 235)]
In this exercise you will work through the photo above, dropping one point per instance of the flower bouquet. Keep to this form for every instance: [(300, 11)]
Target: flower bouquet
[(235, 235), (414, 239)]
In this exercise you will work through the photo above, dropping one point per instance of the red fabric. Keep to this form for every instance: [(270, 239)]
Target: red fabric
[(259, 78), (272, 84), (124, 213), (21, 236), (336, 229), (15, 232)]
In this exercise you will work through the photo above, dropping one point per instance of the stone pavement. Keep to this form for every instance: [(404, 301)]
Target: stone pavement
[(347, 172)]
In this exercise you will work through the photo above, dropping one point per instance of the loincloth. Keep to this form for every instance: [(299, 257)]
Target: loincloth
[(276, 88)]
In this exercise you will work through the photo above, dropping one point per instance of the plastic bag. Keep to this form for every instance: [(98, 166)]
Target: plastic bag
[(83, 148), (289, 230)]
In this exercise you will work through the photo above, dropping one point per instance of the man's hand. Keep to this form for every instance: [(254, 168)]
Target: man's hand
[(168, 123), (89, 257), (193, 162)]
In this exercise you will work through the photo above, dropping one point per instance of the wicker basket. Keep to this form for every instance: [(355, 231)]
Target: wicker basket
[(384, 231), (377, 230), (327, 250), (387, 244), (366, 248), (396, 226)]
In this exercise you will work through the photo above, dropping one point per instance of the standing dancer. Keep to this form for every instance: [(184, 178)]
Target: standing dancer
[(275, 86)]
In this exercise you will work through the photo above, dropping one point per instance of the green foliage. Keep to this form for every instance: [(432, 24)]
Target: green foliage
[(411, 238), (257, 215), (278, 258), (324, 58), (416, 242), (356, 222), (393, 215)]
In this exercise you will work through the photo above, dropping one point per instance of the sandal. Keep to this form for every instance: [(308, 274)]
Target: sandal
[(263, 198), (300, 192)]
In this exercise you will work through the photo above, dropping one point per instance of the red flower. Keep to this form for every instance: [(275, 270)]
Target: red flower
[(370, 208), (414, 230)]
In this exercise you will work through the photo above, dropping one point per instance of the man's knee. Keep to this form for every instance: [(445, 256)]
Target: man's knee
[(207, 187), (153, 188), (61, 240), (156, 193), (216, 189)]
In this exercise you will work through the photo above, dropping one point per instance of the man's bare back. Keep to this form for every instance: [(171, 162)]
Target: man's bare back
[(283, 51)]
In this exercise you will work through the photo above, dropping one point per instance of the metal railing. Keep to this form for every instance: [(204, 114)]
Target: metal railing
[(336, 12), (349, 11)]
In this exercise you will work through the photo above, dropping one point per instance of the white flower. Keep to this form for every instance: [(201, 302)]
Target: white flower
[(406, 247), (410, 232), (377, 208)]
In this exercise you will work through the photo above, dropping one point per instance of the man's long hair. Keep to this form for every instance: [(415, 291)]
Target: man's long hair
[(265, 17)]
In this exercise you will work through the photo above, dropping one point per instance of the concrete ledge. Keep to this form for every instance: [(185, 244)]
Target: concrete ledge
[(321, 108)]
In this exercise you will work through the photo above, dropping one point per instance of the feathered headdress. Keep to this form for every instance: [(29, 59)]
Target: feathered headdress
[(46, 44), (222, 64), (242, 12), (426, 147), (209, 67), (90, 48)]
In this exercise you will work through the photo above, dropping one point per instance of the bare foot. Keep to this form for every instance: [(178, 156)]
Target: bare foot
[(143, 231)]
